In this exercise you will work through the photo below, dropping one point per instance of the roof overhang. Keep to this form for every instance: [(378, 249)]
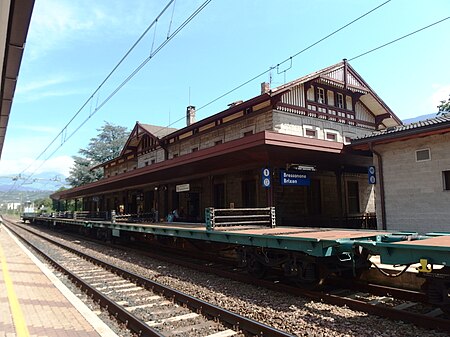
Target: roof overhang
[(390, 137), (15, 19), (380, 110), (256, 151)]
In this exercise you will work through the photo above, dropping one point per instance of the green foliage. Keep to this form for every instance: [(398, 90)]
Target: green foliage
[(80, 172), (444, 107), (44, 204), (105, 146)]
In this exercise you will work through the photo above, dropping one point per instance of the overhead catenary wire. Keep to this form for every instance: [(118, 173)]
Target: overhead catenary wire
[(91, 97), (400, 38), (255, 77), (136, 70), (282, 62), (152, 53), (274, 67)]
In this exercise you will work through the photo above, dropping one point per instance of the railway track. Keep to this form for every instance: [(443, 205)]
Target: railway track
[(392, 303), (146, 307), (384, 301)]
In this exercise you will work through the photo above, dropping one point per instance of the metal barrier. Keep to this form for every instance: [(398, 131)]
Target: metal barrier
[(227, 217)]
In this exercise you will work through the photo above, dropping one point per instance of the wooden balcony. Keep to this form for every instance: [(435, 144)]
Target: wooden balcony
[(326, 112)]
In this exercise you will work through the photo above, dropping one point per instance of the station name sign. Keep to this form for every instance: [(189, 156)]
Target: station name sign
[(292, 178), (182, 188)]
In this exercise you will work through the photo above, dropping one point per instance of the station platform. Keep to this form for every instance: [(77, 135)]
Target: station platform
[(34, 302)]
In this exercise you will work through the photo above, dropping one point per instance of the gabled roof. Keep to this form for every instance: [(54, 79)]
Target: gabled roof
[(153, 131), (344, 76), (413, 130), (158, 131)]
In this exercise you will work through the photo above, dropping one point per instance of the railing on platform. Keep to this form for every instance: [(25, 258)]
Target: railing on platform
[(227, 217), (83, 215), (138, 217)]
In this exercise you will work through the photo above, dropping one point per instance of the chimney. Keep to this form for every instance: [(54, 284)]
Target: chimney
[(190, 115), (265, 87)]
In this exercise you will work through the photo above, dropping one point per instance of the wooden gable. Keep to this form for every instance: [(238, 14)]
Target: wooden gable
[(342, 78), (140, 139)]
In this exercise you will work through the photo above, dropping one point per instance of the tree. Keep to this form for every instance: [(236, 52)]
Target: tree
[(81, 173), (444, 107), (105, 146), (44, 204)]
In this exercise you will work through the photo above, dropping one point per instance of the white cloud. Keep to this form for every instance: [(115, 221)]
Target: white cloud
[(56, 24), (36, 128), (60, 165), (50, 93), (441, 93), (41, 84), (53, 23)]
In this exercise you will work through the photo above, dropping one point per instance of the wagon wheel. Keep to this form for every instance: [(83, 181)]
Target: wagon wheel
[(255, 267)]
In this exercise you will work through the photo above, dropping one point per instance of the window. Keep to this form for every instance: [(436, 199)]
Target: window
[(248, 133), (423, 155), (194, 149), (320, 95), (347, 140), (153, 161), (353, 196), (146, 163), (175, 155), (446, 180), (340, 101), (331, 136), (310, 133), (217, 142)]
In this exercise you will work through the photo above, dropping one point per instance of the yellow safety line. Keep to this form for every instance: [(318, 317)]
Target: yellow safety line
[(19, 321)]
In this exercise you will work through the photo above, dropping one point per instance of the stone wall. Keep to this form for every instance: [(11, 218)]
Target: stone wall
[(415, 198)]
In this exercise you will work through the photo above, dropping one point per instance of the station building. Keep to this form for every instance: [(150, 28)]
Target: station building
[(412, 165), (287, 148)]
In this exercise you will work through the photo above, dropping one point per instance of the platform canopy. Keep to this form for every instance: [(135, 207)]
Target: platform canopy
[(15, 19), (251, 152)]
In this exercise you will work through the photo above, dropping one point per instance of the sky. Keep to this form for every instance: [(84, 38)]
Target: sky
[(73, 45)]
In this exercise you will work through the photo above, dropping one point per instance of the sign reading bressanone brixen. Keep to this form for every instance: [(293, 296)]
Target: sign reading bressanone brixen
[(289, 178)]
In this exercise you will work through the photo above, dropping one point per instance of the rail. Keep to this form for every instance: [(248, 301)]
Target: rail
[(230, 318), (227, 217)]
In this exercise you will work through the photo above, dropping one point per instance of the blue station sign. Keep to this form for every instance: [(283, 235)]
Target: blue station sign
[(371, 175), (265, 177), (294, 178)]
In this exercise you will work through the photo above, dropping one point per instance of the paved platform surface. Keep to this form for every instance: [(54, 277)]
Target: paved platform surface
[(33, 302)]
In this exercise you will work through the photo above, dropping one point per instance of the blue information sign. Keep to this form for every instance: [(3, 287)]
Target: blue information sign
[(294, 178), (371, 174), (265, 177)]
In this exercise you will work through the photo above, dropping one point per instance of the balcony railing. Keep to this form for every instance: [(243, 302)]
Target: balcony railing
[(326, 112)]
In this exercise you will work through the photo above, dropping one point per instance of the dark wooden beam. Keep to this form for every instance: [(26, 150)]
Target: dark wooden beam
[(379, 119)]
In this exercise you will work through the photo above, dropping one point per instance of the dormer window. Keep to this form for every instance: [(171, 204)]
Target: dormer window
[(340, 101), (320, 95)]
